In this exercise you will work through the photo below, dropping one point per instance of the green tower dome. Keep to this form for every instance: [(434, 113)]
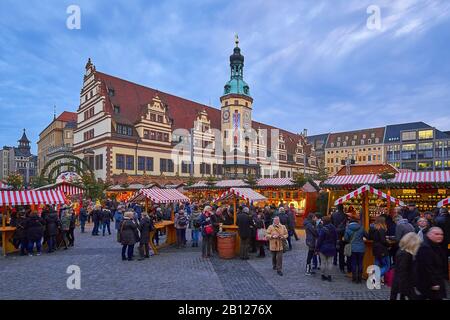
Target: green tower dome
[(237, 85)]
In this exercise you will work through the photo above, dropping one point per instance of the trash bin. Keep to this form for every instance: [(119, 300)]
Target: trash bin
[(225, 244)]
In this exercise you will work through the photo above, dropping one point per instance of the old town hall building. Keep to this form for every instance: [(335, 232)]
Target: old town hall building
[(123, 127)]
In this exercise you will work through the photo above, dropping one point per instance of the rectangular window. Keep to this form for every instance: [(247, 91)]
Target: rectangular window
[(153, 117), (425, 134), (160, 118), (120, 161), (125, 130), (130, 162), (146, 134), (141, 163), (166, 165), (149, 163), (185, 167), (88, 134), (116, 109), (409, 135), (99, 162), (166, 137)]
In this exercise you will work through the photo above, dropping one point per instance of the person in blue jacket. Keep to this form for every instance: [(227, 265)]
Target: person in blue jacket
[(355, 235)]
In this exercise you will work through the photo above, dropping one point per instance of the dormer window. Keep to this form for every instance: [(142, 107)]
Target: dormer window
[(111, 92), (116, 109)]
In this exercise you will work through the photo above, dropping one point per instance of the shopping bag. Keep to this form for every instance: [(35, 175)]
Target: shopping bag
[(389, 277), (261, 234)]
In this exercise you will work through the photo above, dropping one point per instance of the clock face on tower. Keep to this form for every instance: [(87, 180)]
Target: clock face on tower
[(226, 115)]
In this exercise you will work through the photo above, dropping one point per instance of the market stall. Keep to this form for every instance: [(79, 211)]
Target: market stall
[(444, 202), (236, 194), (32, 198), (161, 196), (424, 189), (362, 193)]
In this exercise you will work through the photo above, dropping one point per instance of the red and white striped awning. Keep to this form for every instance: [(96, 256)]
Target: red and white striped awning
[(367, 188), (69, 189), (443, 202), (244, 193), (157, 195), (402, 177), (275, 182), (29, 197)]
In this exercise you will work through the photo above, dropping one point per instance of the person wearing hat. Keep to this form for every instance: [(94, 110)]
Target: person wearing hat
[(244, 223), (355, 236), (276, 234), (128, 235)]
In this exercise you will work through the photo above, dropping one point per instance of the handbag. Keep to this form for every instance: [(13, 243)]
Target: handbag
[(119, 232), (285, 245), (348, 246), (261, 234)]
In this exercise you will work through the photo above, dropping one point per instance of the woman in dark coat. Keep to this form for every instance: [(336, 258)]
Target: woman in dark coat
[(128, 235), (404, 268), (311, 240), (52, 226), (380, 248), (326, 246), (260, 243), (34, 228), (145, 227)]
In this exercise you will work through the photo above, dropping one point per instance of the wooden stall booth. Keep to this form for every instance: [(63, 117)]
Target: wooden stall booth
[(363, 195), (33, 198), (233, 196), (283, 190), (161, 196), (73, 192)]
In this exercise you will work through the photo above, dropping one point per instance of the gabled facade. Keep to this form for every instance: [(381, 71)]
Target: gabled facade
[(126, 128)]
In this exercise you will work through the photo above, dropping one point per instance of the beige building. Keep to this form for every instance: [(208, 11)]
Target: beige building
[(126, 128), (57, 138), (358, 147)]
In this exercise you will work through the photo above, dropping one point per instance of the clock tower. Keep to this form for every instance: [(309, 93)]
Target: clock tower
[(236, 121)]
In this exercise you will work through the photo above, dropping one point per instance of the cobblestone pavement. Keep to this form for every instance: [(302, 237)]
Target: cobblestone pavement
[(173, 274)]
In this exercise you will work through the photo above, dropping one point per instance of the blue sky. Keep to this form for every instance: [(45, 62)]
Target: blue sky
[(310, 64)]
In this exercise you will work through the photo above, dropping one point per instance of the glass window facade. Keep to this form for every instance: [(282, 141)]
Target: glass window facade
[(426, 134)]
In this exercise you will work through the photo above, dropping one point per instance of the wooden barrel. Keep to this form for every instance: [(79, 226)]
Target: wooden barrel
[(225, 244)]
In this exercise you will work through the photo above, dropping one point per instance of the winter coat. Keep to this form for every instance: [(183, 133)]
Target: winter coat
[(431, 270), (20, 233), (83, 215), (244, 222), (356, 231), (34, 227), (106, 216), (339, 221), (97, 216), (380, 247), (205, 221), (326, 243), (145, 227), (181, 217), (404, 282), (65, 222), (311, 234), (118, 218), (276, 244), (73, 219), (291, 221), (52, 224), (284, 219), (216, 220), (443, 222), (195, 216), (411, 216), (403, 227), (128, 232)]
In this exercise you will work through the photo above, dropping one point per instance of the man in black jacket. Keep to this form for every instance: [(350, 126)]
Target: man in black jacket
[(244, 223), (339, 220), (431, 273), (443, 222)]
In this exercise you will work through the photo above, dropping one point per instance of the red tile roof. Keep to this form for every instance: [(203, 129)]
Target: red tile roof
[(67, 116), (367, 169), (132, 98)]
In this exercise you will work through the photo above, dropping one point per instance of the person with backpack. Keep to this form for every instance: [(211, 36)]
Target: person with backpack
[(195, 225), (355, 236), (181, 224), (207, 232), (326, 246), (145, 227)]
